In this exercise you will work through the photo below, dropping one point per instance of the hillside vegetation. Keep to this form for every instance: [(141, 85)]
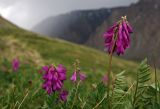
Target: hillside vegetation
[(22, 89), (16, 42)]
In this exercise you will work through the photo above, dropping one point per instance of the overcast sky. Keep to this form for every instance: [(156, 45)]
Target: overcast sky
[(27, 13)]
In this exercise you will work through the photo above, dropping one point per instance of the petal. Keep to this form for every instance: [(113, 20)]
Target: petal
[(74, 77), (111, 29), (62, 76), (45, 68), (61, 69), (130, 30), (125, 28), (64, 95), (105, 78), (120, 32), (82, 76), (126, 40)]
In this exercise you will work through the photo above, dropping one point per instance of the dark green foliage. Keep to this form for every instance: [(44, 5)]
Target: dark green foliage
[(120, 92), (75, 100), (143, 76), (97, 98), (52, 101), (22, 89)]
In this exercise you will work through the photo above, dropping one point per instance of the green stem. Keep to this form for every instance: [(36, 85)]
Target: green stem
[(109, 68), (123, 96), (135, 91), (74, 100), (155, 80), (109, 80), (100, 102), (23, 99)]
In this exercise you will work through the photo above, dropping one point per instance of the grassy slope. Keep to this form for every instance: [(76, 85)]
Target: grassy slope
[(18, 42), (39, 50)]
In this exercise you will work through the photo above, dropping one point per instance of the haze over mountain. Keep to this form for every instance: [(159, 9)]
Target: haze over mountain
[(87, 27), (27, 13)]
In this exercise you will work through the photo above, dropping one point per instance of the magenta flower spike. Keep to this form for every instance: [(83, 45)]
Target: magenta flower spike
[(64, 95), (15, 64), (117, 37), (53, 78), (82, 76), (77, 74)]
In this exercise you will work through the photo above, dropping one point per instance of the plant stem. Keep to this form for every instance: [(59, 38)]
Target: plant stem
[(123, 95), (109, 79), (15, 105), (74, 100), (135, 91), (100, 102), (109, 68), (23, 99), (155, 80)]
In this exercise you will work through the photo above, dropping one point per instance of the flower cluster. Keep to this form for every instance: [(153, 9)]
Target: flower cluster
[(15, 64), (77, 72), (117, 37), (82, 76), (53, 78)]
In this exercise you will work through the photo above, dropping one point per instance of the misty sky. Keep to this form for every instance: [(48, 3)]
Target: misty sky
[(27, 13)]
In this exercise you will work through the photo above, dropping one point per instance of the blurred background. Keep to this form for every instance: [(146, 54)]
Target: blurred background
[(84, 21)]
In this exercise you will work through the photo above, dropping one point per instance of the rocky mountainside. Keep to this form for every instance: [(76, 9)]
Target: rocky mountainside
[(76, 26), (144, 17), (87, 27)]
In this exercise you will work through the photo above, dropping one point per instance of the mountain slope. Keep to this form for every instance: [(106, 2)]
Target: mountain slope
[(76, 26), (23, 89), (15, 42), (144, 17)]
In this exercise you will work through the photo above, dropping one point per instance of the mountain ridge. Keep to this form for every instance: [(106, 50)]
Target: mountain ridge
[(143, 16)]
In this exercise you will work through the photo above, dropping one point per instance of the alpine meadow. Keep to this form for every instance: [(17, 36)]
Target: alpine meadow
[(41, 72)]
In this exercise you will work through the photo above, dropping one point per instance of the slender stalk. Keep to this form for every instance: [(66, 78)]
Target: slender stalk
[(135, 91), (109, 79), (124, 95), (74, 100), (109, 69), (112, 87), (15, 105), (100, 102), (155, 80), (23, 100)]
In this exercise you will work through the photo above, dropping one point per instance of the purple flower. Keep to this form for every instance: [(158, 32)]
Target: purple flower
[(62, 71), (74, 76), (64, 95), (117, 37), (45, 68), (82, 76), (15, 64), (53, 78), (105, 78)]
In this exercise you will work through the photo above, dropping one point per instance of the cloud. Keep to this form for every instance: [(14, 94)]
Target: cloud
[(17, 13), (5, 11), (27, 13), (6, 3)]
